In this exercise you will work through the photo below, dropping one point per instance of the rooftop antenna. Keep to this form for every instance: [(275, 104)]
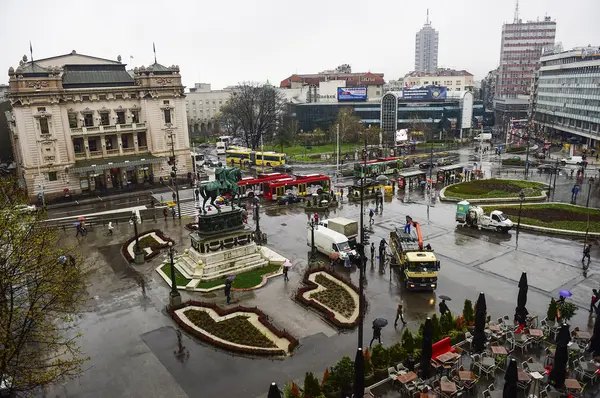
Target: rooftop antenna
[(154, 49), (516, 13), (427, 21)]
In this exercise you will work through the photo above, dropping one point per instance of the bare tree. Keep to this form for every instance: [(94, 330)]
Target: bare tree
[(255, 111), (349, 124), (41, 288)]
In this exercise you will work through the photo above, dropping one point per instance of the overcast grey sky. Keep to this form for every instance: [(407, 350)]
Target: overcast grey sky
[(225, 42)]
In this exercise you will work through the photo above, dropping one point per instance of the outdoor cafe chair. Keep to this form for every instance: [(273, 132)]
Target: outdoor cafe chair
[(392, 374), (522, 344), (549, 360), (586, 372), (486, 394)]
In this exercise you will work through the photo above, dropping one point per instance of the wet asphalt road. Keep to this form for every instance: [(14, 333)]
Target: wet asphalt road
[(132, 342)]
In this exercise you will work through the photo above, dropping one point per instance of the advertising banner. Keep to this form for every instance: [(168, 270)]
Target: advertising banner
[(352, 93), (424, 94), (401, 135)]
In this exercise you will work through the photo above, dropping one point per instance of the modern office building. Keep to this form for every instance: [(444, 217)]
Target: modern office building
[(521, 47), (566, 96), (203, 104), (453, 80), (421, 109), (426, 48), (82, 124)]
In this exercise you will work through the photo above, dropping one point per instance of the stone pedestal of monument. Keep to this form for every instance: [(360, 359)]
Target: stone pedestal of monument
[(223, 245)]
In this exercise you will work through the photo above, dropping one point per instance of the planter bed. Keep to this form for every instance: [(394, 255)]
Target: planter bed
[(325, 309), (245, 280), (145, 241), (553, 215), (493, 188), (236, 333)]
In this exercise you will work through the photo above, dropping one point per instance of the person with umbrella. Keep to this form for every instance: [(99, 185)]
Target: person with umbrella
[(287, 264), (378, 324), (511, 378), (443, 306)]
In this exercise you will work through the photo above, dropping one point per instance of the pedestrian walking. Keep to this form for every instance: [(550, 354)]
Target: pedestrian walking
[(593, 306), (316, 218), (574, 193), (173, 212), (79, 230), (443, 307), (382, 244), (376, 335), (174, 195), (110, 228), (142, 282), (331, 264), (399, 315), (586, 254), (372, 251), (285, 274), (165, 213), (371, 213), (228, 291)]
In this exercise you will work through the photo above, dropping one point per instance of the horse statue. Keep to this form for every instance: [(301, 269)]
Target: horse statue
[(225, 182)]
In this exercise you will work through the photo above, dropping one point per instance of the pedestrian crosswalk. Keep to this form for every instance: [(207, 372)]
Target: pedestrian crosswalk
[(188, 209)]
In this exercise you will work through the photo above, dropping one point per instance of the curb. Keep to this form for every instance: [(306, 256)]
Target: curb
[(490, 200)]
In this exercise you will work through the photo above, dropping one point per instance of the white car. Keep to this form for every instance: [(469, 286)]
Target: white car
[(577, 160)]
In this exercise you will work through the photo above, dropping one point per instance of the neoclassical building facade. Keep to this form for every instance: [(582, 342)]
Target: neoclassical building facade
[(85, 124)]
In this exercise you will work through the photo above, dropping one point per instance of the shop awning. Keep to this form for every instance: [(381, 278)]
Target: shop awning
[(85, 166)]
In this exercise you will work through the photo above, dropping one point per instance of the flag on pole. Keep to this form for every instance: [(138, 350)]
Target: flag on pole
[(131, 57), (154, 49), (31, 51)]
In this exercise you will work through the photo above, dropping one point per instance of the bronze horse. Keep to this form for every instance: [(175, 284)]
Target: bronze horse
[(227, 184)]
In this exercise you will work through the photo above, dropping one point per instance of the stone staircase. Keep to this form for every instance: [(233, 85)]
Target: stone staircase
[(247, 263)]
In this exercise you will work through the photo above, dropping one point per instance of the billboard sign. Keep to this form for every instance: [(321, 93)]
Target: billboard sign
[(401, 135), (424, 93), (352, 93)]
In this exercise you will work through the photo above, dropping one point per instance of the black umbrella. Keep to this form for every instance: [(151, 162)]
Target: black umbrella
[(479, 338), (443, 297), (426, 349), (274, 391), (561, 358), (595, 341), (380, 322), (521, 310), (510, 380), (359, 374)]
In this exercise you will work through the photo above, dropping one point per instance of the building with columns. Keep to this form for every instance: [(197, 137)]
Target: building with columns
[(82, 124)]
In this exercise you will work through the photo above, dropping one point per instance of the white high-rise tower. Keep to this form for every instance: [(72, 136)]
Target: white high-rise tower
[(426, 48)]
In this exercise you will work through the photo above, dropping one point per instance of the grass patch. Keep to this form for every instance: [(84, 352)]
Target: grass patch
[(244, 280), (147, 241), (236, 330), (516, 149), (179, 278), (425, 145), (494, 188), (299, 151), (553, 215)]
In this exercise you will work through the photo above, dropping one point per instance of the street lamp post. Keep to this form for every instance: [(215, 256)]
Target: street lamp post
[(137, 253), (257, 232), (313, 255), (174, 175), (174, 296), (587, 205), (521, 199)]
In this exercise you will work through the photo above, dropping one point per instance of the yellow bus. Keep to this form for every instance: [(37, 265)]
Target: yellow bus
[(246, 157), (267, 158)]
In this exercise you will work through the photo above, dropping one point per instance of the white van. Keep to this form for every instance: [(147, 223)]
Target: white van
[(328, 242), (577, 160)]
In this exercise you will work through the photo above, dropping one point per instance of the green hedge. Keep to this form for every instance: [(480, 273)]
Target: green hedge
[(515, 149), (494, 188), (513, 162)]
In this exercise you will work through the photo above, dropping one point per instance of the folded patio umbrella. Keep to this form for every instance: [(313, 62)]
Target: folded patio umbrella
[(359, 374), (521, 310), (426, 349), (510, 389), (479, 338), (274, 391), (595, 341), (561, 358)]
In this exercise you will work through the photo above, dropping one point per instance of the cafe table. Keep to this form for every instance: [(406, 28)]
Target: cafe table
[(572, 384), (407, 377), (536, 332), (536, 367), (448, 387), (466, 375), (582, 335), (522, 376), (499, 350)]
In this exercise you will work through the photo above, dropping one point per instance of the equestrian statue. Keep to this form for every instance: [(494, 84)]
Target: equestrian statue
[(226, 179)]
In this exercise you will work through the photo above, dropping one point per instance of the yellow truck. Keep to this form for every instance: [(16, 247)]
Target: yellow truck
[(419, 266)]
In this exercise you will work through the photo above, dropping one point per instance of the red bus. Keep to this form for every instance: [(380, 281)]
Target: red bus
[(251, 186), (301, 185)]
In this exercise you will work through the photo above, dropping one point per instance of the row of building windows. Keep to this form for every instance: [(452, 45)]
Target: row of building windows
[(591, 114), (103, 118), (571, 101), (568, 91), (565, 121), (207, 102)]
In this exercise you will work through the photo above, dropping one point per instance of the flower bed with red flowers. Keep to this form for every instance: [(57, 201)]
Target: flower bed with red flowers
[(262, 318), (155, 249), (328, 315)]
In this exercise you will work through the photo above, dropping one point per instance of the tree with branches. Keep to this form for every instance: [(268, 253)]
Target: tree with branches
[(350, 126), (254, 110), (41, 289)]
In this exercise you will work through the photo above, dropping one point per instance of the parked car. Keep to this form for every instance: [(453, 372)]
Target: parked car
[(426, 165), (204, 145), (539, 155), (548, 168), (444, 162), (289, 199), (283, 168)]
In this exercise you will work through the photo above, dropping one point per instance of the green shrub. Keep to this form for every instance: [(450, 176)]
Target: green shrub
[(312, 389), (436, 328), (515, 149), (380, 357), (551, 314), (468, 312), (447, 323), (417, 355), (368, 362), (343, 373), (456, 336), (567, 310), (397, 353), (408, 342)]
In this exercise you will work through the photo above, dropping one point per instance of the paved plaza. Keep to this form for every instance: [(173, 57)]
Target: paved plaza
[(132, 342)]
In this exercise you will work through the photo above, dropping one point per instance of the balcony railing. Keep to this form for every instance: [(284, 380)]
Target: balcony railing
[(142, 149), (129, 127), (95, 154), (79, 155), (129, 150), (112, 151)]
